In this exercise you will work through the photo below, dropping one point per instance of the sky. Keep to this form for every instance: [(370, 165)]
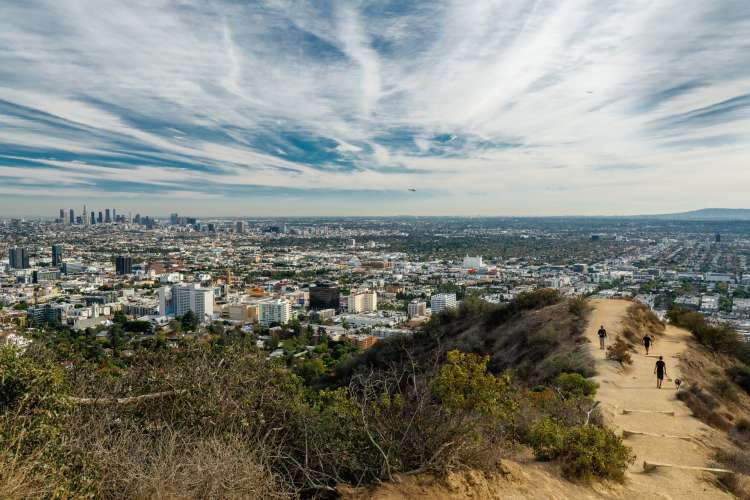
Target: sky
[(575, 107)]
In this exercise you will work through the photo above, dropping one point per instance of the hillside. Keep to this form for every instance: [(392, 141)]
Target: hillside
[(488, 400), (706, 214), (537, 336), (621, 387)]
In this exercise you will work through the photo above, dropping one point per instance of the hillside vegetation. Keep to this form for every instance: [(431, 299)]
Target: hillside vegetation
[(218, 420)]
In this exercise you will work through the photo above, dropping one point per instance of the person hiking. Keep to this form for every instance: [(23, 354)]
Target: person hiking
[(661, 371), (602, 335), (647, 341)]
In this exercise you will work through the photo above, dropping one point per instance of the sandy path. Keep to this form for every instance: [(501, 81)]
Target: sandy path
[(635, 388)]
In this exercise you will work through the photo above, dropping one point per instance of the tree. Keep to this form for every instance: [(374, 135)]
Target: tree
[(189, 321)]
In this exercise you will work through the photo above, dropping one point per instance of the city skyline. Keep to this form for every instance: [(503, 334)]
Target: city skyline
[(324, 109)]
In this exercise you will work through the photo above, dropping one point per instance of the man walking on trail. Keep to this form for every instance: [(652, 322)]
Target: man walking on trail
[(647, 341), (602, 335), (661, 371)]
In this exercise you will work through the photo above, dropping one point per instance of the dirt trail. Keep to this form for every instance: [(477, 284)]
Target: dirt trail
[(634, 388)]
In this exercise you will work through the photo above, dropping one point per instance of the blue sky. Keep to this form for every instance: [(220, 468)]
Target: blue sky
[(338, 108)]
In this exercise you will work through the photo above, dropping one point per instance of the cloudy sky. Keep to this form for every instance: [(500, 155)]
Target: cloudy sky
[(305, 108)]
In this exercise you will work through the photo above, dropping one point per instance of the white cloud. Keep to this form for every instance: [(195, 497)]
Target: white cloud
[(350, 97)]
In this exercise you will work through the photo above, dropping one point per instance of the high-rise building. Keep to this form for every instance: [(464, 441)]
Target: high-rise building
[(62, 215), (93, 218), (84, 215), (101, 219), (417, 308), (359, 302), (166, 302), (57, 255), (107, 217), (71, 216), (124, 264), (274, 311), (442, 301), (114, 215), (192, 298), (324, 295), (173, 219), (18, 258), (239, 227)]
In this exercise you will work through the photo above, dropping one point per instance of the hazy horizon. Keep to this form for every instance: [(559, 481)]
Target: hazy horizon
[(582, 108)]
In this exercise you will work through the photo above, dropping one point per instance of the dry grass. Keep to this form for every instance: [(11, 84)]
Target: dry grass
[(171, 467)]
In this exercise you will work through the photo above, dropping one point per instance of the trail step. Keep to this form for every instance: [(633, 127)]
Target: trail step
[(626, 433), (625, 411), (652, 466)]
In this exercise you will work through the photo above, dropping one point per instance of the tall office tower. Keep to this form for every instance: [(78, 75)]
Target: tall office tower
[(240, 227), (123, 264), (18, 258), (106, 216), (83, 216), (71, 216), (137, 218), (173, 218), (101, 219), (324, 295), (114, 215), (57, 255), (62, 215), (93, 218)]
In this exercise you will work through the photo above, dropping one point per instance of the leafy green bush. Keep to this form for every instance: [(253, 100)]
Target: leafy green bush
[(465, 384), (591, 451), (547, 438), (574, 385)]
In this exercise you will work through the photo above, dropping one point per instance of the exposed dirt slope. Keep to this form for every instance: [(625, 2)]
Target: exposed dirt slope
[(634, 388)]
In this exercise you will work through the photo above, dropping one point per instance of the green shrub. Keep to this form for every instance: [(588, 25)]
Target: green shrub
[(740, 375), (547, 438), (742, 425), (465, 384), (725, 389), (590, 451), (578, 360), (575, 385)]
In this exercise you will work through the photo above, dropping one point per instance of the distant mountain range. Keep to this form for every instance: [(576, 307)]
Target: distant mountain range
[(706, 214)]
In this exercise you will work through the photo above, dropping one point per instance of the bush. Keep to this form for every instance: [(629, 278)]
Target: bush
[(620, 352), (578, 360), (742, 425), (465, 384), (547, 438), (574, 385), (590, 451), (725, 389), (740, 375)]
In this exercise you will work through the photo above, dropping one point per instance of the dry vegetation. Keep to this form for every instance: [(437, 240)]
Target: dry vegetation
[(228, 423), (714, 369)]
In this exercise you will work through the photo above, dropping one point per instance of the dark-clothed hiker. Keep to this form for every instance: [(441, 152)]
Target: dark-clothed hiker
[(661, 371), (647, 341), (602, 335)]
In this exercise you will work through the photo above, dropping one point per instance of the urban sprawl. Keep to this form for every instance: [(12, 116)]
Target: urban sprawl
[(352, 281)]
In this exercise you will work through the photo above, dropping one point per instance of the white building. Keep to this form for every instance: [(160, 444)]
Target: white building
[(274, 311), (180, 299), (359, 302), (472, 262), (417, 308), (442, 301)]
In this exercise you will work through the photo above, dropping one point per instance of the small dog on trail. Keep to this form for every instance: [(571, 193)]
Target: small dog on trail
[(677, 382)]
